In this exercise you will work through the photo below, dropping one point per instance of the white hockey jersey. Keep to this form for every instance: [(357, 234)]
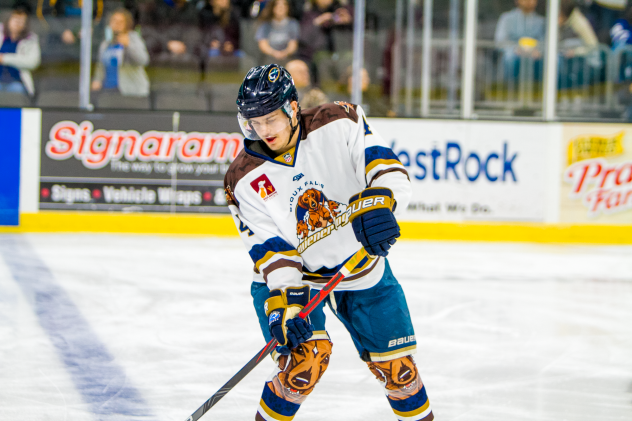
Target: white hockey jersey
[(290, 210)]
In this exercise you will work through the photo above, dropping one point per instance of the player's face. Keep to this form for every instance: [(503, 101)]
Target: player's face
[(274, 129)]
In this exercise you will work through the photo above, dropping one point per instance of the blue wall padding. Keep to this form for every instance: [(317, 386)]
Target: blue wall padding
[(10, 138)]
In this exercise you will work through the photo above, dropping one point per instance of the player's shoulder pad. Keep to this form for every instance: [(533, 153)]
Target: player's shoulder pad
[(242, 165), (317, 117)]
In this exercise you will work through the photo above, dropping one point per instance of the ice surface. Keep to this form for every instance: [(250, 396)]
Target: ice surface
[(121, 327)]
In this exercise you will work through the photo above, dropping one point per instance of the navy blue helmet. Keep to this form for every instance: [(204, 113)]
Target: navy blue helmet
[(264, 90)]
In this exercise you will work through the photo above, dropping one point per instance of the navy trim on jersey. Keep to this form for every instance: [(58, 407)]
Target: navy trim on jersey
[(274, 244), (378, 152), (274, 161)]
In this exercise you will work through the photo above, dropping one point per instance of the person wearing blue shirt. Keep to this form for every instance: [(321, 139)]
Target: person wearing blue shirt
[(122, 58), (19, 53), (520, 34), (621, 36)]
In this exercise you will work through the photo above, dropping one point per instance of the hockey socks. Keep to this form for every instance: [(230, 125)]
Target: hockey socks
[(403, 388), (273, 408)]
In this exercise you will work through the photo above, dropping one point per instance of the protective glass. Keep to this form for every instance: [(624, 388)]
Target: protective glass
[(269, 125)]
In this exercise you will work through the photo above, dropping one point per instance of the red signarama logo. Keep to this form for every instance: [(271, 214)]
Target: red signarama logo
[(96, 148), (603, 187), (263, 187)]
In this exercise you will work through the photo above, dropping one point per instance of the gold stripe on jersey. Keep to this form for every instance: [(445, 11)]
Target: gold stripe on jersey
[(269, 255), (377, 162)]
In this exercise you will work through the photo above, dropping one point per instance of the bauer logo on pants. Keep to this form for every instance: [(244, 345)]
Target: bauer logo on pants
[(264, 187)]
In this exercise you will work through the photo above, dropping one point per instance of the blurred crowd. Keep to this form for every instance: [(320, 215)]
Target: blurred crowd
[(180, 54)]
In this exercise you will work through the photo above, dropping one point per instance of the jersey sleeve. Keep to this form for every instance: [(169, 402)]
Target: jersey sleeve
[(276, 260), (376, 164)]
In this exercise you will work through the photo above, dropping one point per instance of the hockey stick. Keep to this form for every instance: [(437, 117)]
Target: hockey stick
[(317, 299)]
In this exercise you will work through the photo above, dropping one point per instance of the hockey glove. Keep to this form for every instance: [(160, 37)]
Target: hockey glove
[(282, 309), (371, 215)]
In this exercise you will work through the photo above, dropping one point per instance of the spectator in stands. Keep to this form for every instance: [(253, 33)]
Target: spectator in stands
[(603, 14), (278, 34), (171, 31), (219, 23), (577, 36), (621, 31), (308, 95), (122, 58), (372, 100), (19, 52), (621, 35), (253, 8), (319, 22), (521, 25), (520, 33)]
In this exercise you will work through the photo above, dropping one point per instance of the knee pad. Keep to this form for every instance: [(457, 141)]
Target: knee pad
[(399, 377), (298, 373)]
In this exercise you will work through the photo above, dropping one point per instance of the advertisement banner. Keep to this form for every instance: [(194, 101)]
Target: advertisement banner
[(597, 174), (128, 161), (464, 171)]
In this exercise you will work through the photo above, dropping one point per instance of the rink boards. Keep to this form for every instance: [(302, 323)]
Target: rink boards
[(162, 173)]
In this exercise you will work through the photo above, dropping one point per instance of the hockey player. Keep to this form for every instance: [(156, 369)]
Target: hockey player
[(308, 190)]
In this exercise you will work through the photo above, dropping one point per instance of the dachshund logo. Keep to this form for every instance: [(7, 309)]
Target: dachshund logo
[(319, 215), (316, 217), (399, 377), (301, 370), (264, 187)]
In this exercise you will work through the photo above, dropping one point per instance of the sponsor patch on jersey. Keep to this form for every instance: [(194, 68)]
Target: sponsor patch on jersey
[(264, 187), (274, 74), (298, 177), (274, 316)]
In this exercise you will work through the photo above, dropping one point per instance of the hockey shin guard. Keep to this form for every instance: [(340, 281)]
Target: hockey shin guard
[(403, 387), (293, 379)]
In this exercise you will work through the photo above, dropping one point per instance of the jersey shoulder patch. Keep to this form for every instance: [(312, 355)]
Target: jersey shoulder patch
[(242, 165), (320, 116)]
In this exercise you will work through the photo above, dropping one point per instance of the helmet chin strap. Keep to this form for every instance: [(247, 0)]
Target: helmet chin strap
[(298, 122)]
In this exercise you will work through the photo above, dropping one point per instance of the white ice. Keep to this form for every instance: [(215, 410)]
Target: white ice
[(505, 332)]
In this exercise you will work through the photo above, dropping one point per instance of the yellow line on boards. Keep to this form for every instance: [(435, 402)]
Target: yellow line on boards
[(133, 223), (519, 232), (224, 226)]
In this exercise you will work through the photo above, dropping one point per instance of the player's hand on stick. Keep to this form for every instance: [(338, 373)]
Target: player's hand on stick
[(282, 309), (373, 221)]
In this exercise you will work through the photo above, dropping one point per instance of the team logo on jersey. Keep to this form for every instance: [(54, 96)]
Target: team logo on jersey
[(274, 74), (317, 217), (264, 187)]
